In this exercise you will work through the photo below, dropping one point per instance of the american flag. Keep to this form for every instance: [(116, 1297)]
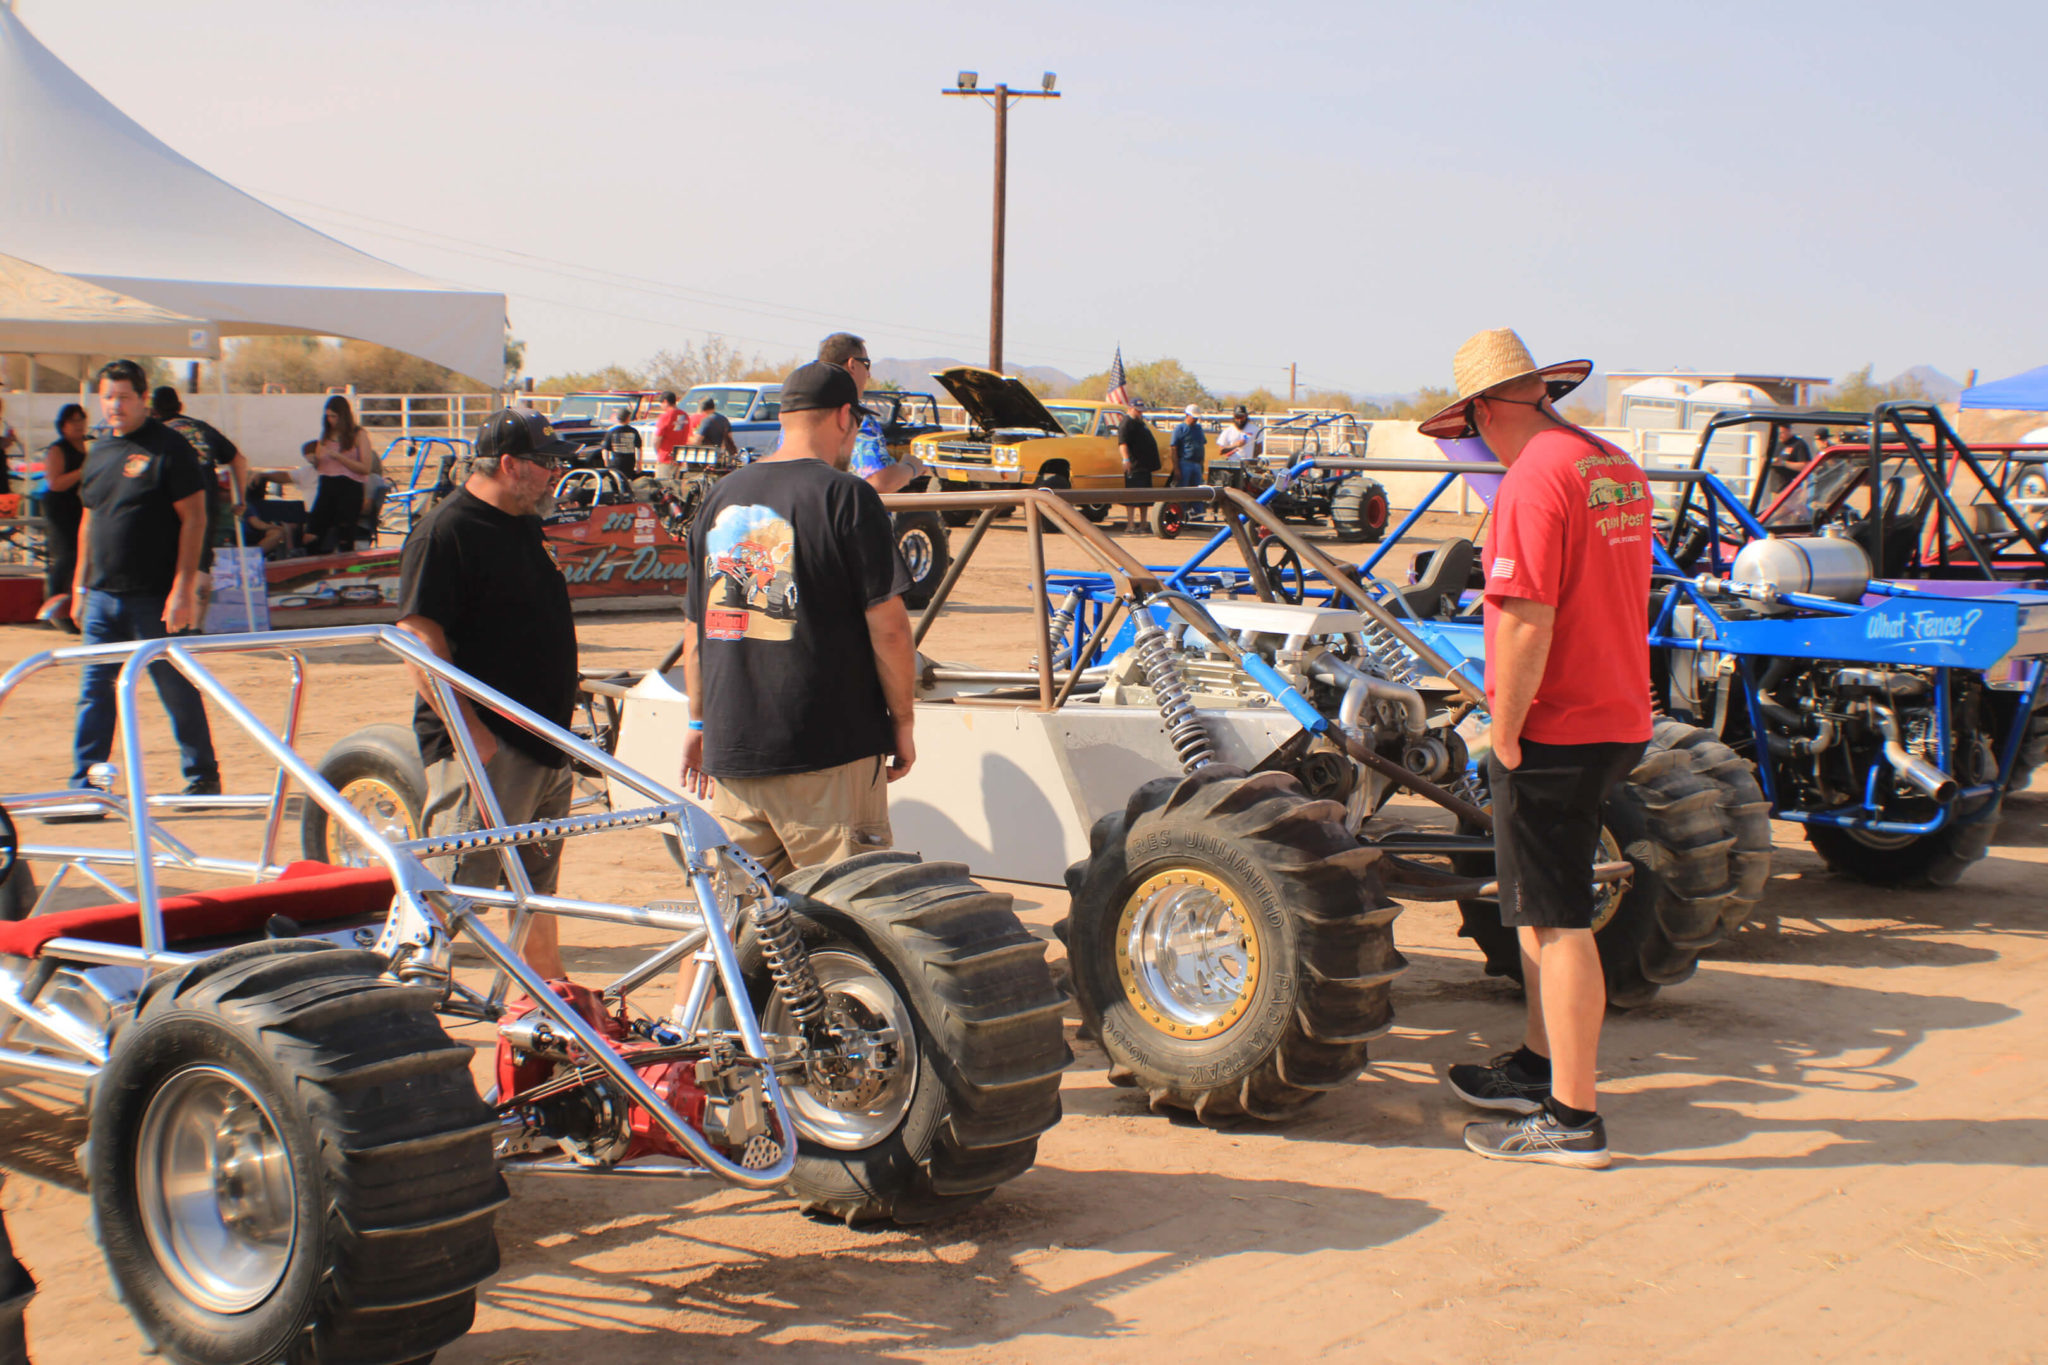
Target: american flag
[(1117, 393)]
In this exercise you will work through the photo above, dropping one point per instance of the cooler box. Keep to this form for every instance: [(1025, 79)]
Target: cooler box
[(20, 597)]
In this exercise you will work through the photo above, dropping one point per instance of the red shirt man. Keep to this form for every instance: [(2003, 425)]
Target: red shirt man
[(1572, 530), (669, 432), (1568, 686)]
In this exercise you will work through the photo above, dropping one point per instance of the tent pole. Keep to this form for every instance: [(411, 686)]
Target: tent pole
[(220, 386)]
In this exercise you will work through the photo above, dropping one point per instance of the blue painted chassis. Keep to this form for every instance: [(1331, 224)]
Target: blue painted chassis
[(1897, 624)]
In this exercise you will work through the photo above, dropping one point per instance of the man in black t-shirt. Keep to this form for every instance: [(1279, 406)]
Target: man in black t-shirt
[(1140, 450), (622, 445), (798, 663), (479, 587), (715, 431), (139, 539), (218, 456)]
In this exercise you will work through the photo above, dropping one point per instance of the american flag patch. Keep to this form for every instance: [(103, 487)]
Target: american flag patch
[(1503, 567)]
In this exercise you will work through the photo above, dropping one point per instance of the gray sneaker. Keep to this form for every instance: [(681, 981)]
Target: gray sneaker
[(1541, 1137), (1497, 1085)]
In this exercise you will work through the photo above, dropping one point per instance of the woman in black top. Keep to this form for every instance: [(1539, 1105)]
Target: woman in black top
[(63, 467)]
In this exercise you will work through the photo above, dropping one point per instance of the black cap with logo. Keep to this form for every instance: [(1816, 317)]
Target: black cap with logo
[(519, 432)]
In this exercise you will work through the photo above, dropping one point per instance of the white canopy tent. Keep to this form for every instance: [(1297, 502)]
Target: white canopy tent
[(189, 242), (50, 317)]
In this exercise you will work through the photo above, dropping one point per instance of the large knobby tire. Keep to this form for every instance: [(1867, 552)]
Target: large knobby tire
[(332, 1155), (1941, 858), (1929, 860), (1358, 510), (1691, 820), (972, 983), (1296, 944), (378, 771), (927, 552)]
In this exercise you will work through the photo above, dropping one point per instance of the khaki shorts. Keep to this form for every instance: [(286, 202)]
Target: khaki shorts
[(526, 791), (807, 819)]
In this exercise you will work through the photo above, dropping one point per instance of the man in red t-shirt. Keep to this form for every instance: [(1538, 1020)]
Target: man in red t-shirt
[(1568, 684), (669, 433)]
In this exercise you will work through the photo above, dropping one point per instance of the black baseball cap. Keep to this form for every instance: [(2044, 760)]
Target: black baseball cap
[(820, 385), (518, 431)]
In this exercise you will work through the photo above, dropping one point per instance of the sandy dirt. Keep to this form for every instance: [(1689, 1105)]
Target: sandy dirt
[(1830, 1146)]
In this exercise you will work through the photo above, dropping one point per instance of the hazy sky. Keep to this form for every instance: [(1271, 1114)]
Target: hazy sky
[(1794, 187)]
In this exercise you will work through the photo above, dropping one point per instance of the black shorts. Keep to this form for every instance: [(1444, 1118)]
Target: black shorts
[(1546, 829), (1137, 478)]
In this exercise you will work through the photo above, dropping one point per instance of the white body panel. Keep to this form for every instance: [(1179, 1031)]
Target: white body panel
[(1010, 792)]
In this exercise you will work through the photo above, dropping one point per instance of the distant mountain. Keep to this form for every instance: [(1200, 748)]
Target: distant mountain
[(916, 375), (1938, 386)]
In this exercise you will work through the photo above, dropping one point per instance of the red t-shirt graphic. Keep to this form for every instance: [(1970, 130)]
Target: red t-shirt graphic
[(1572, 527)]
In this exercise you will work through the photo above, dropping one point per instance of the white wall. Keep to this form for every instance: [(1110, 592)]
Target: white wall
[(268, 427)]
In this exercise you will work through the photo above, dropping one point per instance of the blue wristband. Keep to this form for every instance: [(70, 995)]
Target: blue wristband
[(696, 725)]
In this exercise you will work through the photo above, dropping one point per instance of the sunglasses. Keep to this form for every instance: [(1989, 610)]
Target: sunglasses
[(862, 360), (549, 462)]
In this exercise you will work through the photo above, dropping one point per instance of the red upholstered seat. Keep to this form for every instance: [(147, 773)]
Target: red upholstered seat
[(309, 893)]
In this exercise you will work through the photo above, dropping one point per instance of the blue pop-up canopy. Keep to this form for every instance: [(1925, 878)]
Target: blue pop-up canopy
[(2022, 393)]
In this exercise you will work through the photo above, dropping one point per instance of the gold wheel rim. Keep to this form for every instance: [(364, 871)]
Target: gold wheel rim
[(380, 804), (1607, 899), (1187, 954)]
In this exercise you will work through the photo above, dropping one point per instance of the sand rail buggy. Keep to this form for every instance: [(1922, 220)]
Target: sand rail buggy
[(1207, 797), (1888, 719), (1901, 484), (288, 1158)]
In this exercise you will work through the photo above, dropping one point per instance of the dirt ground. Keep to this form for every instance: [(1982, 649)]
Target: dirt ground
[(1830, 1145)]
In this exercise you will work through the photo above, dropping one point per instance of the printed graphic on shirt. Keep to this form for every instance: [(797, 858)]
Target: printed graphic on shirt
[(750, 576), (136, 464), (1610, 501), (870, 455), (1503, 567)]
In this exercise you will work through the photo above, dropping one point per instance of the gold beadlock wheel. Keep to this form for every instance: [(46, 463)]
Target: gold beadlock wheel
[(1607, 899), (1187, 954), (385, 809)]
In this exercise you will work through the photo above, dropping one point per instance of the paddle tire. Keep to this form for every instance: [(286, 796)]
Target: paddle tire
[(927, 552), (1358, 510), (288, 1161), (377, 770), (922, 944), (1292, 945), (1693, 823), (1934, 860)]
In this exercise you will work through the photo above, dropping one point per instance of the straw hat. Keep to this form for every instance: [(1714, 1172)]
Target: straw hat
[(1487, 361)]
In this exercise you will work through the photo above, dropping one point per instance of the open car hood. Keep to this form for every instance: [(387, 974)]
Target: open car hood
[(995, 402)]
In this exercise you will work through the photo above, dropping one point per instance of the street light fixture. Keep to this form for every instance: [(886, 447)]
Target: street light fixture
[(1000, 98)]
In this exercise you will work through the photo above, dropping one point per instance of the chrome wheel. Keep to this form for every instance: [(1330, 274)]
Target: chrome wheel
[(383, 807), (215, 1189), (1187, 954), (916, 549), (855, 1096)]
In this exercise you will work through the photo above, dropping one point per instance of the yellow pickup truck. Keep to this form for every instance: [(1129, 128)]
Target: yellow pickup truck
[(1018, 440)]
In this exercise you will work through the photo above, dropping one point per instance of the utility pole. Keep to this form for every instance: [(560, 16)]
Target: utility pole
[(1291, 368), (999, 98)]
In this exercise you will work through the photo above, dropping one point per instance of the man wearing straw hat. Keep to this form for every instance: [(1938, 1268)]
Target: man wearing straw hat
[(1568, 684)]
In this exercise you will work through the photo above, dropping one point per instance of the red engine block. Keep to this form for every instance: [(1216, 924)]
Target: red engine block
[(674, 1081)]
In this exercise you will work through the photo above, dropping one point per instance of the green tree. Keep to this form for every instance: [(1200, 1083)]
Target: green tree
[(1158, 383), (1422, 403), (1856, 392)]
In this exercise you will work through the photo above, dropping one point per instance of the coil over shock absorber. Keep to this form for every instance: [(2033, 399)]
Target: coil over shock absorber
[(1390, 654), (789, 962), (1170, 693), (1057, 628)]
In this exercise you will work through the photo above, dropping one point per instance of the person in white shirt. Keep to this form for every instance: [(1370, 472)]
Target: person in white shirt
[(1241, 436)]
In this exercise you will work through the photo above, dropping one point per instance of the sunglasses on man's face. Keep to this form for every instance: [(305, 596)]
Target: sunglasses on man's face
[(862, 360), (547, 462)]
